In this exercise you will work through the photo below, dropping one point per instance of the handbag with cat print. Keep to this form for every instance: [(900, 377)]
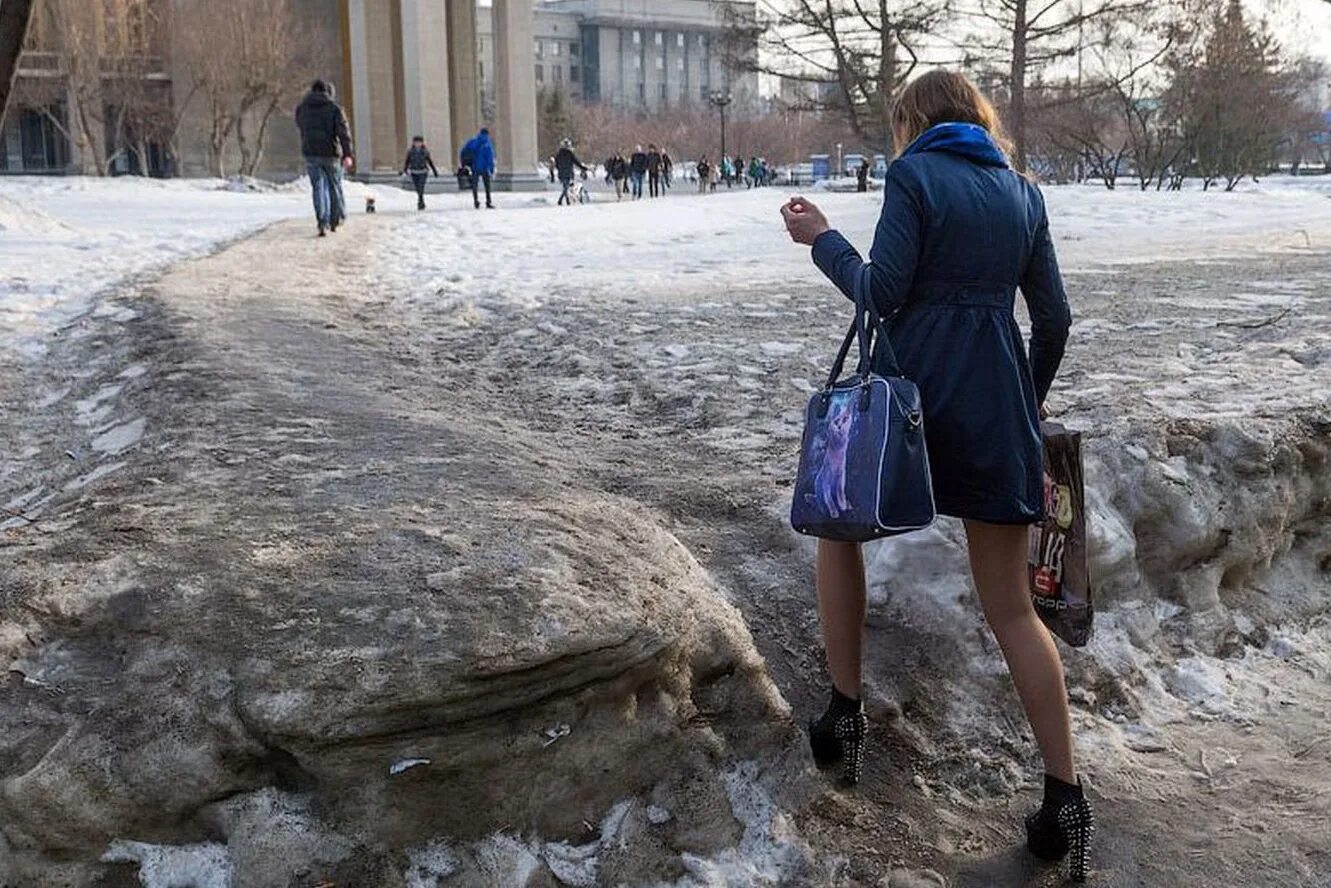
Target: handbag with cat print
[(864, 469)]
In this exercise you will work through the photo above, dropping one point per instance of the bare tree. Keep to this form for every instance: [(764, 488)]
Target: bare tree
[(853, 56), (1025, 37), (247, 61)]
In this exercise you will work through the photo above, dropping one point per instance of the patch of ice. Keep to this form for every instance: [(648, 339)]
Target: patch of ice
[(120, 438), (781, 349), (770, 852), (406, 765), (427, 865), (95, 475), (175, 866)]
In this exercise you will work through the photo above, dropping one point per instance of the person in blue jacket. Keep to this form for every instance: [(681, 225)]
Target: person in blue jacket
[(960, 233), (478, 158)]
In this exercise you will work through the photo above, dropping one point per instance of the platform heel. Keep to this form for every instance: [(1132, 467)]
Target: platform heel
[(838, 737), (1062, 828)]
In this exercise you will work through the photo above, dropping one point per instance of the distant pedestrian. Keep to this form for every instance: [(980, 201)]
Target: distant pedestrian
[(419, 164), (325, 142), (617, 168), (704, 174), (653, 171), (637, 170), (755, 171), (478, 158), (862, 176), (564, 162), (667, 168)]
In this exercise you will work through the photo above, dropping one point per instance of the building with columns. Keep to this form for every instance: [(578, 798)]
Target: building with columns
[(640, 55), (412, 68)]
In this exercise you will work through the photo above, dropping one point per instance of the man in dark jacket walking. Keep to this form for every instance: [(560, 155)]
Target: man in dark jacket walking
[(565, 161), (418, 165), (478, 158), (637, 169), (654, 170), (325, 142)]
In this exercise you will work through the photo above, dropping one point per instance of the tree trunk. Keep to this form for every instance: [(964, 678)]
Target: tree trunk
[(1017, 85), (887, 73), (261, 138)]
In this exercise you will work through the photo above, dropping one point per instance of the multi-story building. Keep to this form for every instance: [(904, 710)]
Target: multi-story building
[(402, 67), (640, 54)]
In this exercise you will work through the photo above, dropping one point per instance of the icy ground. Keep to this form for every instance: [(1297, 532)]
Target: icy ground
[(660, 351)]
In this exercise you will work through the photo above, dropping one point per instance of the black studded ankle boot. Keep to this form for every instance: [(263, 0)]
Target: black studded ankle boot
[(1062, 827), (839, 736)]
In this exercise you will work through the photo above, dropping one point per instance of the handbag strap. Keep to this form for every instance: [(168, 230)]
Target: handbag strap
[(864, 305), (867, 327)]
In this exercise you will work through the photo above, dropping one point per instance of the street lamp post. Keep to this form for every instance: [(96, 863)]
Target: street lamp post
[(721, 100)]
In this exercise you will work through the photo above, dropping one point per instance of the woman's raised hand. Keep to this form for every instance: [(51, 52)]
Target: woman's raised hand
[(804, 221)]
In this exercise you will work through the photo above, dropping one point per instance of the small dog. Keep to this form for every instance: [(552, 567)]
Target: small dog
[(369, 204)]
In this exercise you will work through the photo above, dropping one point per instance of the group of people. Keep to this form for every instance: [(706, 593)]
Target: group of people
[(628, 175), (733, 171), (325, 143), (476, 166)]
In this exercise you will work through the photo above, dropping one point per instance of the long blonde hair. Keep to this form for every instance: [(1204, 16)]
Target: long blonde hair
[(942, 96)]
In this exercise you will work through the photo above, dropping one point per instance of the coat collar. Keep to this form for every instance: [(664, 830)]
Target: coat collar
[(966, 140)]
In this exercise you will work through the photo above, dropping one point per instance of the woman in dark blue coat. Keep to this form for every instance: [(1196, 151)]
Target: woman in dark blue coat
[(960, 234)]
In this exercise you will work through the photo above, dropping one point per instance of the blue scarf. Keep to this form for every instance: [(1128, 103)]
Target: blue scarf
[(967, 140)]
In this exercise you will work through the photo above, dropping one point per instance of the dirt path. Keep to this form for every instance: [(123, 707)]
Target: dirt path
[(689, 405)]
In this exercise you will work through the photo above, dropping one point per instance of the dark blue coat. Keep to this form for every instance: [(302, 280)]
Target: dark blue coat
[(960, 232)]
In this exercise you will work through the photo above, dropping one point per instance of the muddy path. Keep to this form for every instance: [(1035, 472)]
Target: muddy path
[(690, 405)]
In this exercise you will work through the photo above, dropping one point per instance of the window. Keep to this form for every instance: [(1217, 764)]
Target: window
[(663, 92), (559, 73), (637, 62), (637, 38), (660, 39), (554, 47), (481, 65), (704, 92), (575, 49), (660, 63), (538, 49), (679, 64), (642, 92), (702, 40), (575, 73), (540, 74), (679, 40)]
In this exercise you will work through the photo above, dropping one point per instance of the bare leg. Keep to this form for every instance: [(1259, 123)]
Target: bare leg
[(998, 564), (840, 581)]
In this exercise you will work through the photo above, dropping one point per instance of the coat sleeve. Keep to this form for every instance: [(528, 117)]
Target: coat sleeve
[(343, 133), (895, 251), (1047, 302)]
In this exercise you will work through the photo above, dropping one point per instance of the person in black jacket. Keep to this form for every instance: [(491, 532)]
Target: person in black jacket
[(618, 169), (654, 171), (418, 165), (325, 142), (637, 169), (565, 161)]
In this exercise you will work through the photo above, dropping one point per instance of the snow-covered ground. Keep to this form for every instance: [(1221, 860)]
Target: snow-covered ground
[(64, 240)]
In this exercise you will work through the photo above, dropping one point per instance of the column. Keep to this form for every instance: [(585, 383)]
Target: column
[(383, 65), (464, 73), (361, 129), (515, 97), (425, 77)]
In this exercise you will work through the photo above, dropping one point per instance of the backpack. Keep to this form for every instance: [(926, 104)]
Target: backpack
[(468, 155)]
